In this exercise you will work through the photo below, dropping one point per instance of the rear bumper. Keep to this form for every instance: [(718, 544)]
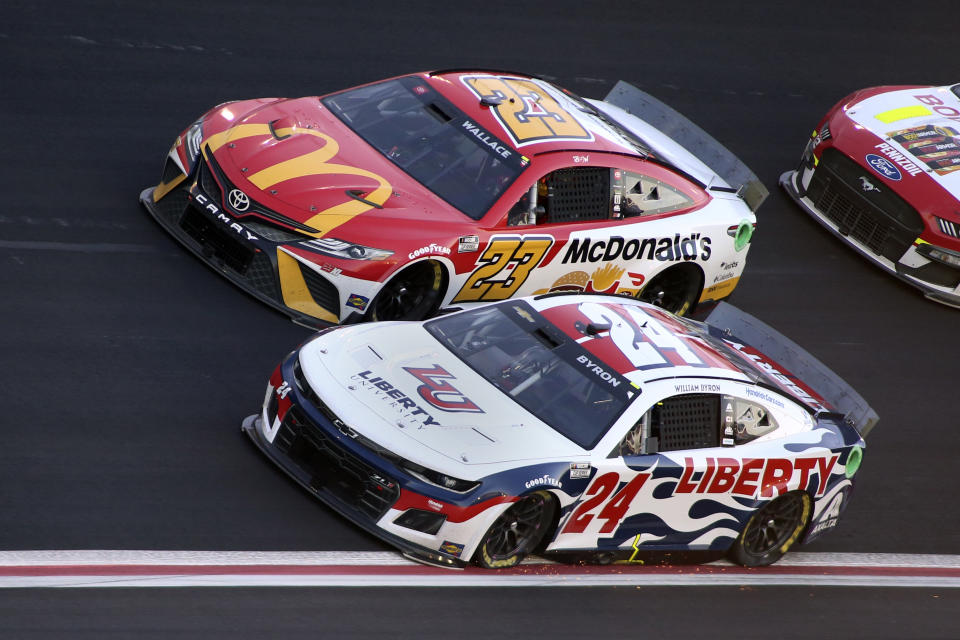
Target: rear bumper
[(736, 324)]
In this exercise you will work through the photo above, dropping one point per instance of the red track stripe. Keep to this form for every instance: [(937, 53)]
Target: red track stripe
[(419, 570)]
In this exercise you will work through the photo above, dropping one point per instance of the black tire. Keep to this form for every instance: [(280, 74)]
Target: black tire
[(772, 530), (413, 294), (676, 289), (517, 532)]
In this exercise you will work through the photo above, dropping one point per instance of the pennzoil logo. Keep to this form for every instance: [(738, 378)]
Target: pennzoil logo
[(527, 110)]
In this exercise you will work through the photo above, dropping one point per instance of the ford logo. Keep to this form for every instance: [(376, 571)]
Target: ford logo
[(883, 166)]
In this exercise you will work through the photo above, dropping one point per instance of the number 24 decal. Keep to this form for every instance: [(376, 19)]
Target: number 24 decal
[(491, 280), (613, 511)]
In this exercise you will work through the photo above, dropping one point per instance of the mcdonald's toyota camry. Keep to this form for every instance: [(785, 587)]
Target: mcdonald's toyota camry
[(568, 424), (881, 172), (441, 190)]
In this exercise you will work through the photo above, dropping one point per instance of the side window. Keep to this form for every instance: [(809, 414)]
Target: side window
[(744, 420), (696, 421), (635, 194), (573, 194)]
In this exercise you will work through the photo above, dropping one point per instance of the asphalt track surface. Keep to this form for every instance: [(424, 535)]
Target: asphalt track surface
[(128, 365)]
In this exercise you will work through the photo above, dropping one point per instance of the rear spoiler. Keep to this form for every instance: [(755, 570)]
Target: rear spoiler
[(734, 324), (701, 144)]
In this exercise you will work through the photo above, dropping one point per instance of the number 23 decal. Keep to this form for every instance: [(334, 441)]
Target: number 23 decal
[(493, 279), (613, 511)]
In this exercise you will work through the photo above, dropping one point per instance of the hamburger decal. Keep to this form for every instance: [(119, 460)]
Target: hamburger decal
[(607, 279)]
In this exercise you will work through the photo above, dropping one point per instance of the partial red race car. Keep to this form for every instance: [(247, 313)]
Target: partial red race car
[(441, 190), (881, 172)]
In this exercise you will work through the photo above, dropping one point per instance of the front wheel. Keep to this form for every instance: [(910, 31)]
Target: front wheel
[(772, 530), (516, 533), (413, 294)]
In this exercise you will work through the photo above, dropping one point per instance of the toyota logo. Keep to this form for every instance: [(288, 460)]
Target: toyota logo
[(238, 200)]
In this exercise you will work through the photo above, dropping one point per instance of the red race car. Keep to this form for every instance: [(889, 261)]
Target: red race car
[(881, 172), (435, 191)]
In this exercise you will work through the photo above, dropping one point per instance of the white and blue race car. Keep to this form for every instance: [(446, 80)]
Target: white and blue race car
[(568, 424)]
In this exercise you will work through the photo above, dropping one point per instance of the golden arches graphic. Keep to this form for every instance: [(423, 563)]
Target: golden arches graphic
[(312, 163)]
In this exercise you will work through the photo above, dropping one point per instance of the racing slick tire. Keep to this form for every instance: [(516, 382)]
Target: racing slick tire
[(517, 532), (676, 289), (414, 293), (772, 530)]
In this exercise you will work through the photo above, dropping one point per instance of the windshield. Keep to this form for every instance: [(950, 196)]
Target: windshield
[(431, 140), (518, 351)]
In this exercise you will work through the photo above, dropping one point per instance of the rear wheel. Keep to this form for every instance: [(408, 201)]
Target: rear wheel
[(772, 530), (517, 532), (413, 294), (675, 289)]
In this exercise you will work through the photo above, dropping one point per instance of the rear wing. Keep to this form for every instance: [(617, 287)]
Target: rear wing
[(736, 325), (698, 142)]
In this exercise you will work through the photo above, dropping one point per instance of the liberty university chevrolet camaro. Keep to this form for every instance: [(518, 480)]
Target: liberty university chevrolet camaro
[(881, 172), (568, 424), (448, 189)]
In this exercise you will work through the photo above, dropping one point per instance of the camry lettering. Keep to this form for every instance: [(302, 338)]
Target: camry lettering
[(205, 202), (752, 477), (400, 397), (667, 249)]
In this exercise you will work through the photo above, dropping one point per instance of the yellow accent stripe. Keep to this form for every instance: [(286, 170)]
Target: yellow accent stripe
[(920, 241), (719, 290), (914, 111), (217, 140), (164, 188), (296, 294), (636, 550), (241, 131), (309, 164), (317, 163)]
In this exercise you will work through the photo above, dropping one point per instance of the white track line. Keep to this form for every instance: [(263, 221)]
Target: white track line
[(84, 569)]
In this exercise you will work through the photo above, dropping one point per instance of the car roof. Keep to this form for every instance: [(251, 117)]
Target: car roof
[(530, 113), (641, 342)]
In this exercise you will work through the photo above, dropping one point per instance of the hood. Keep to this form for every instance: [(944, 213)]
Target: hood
[(296, 158), (395, 384), (915, 135)]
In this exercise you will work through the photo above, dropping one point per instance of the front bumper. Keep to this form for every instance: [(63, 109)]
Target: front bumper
[(867, 233), (191, 209), (360, 512)]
